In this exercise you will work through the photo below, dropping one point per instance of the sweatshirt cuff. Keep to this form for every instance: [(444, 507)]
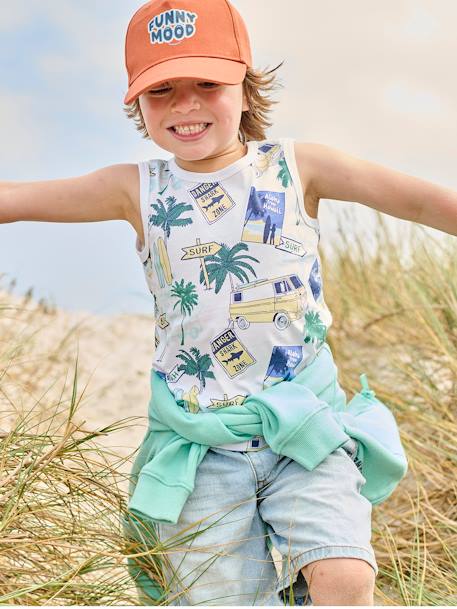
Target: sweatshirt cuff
[(154, 499), (320, 435)]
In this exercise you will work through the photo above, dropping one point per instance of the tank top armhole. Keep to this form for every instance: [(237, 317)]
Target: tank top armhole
[(289, 153), (143, 168)]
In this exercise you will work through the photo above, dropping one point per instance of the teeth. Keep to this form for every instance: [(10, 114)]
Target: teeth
[(188, 129)]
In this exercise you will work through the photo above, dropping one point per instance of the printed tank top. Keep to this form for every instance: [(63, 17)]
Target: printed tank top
[(231, 259)]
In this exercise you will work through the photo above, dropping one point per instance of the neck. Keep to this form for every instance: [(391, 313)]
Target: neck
[(217, 161)]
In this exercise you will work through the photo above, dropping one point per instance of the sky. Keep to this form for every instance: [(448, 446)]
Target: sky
[(373, 79)]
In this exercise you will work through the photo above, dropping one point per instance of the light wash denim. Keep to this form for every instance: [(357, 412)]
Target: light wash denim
[(244, 503)]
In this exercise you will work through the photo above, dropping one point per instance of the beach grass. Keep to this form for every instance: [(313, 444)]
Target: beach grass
[(62, 494), (60, 500), (395, 318)]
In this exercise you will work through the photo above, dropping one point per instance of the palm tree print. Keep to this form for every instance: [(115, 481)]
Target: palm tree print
[(187, 298), (278, 363), (255, 206), (285, 178), (198, 366), (225, 262), (315, 329), (167, 216), (284, 174)]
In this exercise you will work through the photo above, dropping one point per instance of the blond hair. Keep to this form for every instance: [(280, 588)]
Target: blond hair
[(257, 86)]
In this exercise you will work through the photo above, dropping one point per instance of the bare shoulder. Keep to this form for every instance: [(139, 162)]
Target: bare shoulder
[(121, 181), (126, 179), (131, 183), (129, 179), (306, 158), (329, 173)]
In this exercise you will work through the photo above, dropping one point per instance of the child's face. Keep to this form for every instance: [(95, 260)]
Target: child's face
[(194, 101)]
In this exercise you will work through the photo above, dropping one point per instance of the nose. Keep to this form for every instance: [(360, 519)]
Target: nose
[(185, 100)]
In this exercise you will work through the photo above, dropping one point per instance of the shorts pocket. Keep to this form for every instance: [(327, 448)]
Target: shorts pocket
[(350, 447)]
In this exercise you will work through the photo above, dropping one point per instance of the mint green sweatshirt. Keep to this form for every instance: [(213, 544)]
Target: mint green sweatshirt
[(305, 419)]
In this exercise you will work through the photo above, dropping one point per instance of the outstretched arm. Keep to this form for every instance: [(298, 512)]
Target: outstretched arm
[(104, 194), (333, 174)]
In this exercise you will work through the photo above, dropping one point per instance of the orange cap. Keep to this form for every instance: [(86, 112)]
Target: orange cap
[(204, 39)]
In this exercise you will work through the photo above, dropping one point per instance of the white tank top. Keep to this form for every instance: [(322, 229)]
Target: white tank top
[(231, 259)]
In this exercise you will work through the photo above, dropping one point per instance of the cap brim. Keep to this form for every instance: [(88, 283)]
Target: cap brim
[(223, 71)]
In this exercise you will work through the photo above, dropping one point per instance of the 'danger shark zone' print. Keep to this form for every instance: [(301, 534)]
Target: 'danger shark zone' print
[(233, 265), (212, 200), (231, 354)]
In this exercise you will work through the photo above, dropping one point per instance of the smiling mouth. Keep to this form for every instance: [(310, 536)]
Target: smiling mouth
[(190, 135)]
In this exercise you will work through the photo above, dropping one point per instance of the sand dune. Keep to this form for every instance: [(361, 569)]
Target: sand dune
[(38, 349)]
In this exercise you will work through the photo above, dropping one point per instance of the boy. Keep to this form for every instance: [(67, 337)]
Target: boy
[(227, 232)]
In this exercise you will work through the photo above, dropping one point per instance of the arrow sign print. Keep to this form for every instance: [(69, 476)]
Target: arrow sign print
[(200, 250)]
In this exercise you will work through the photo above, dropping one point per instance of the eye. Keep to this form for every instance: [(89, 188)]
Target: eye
[(158, 91), (204, 85)]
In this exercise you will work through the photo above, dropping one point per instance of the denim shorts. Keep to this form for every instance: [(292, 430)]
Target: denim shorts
[(246, 503)]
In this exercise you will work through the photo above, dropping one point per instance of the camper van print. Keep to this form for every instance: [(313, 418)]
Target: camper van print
[(280, 300), (267, 155)]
